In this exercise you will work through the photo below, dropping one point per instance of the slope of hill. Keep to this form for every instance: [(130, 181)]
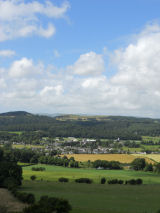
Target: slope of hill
[(81, 126)]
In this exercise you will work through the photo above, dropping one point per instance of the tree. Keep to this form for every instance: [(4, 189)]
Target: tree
[(138, 164)]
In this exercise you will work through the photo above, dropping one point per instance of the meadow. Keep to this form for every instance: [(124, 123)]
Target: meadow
[(96, 198), (52, 173)]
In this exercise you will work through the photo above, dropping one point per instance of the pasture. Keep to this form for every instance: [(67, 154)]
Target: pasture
[(122, 158), (52, 173), (97, 198)]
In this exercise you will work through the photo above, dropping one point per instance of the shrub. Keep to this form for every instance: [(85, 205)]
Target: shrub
[(49, 205), (38, 169), (103, 180), (148, 167), (139, 181), (33, 177), (84, 180), (62, 179), (114, 181), (25, 197), (134, 181), (120, 181)]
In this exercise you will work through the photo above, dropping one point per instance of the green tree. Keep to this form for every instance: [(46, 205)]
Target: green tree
[(138, 164)]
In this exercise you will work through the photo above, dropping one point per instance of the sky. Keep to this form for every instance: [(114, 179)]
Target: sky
[(95, 57)]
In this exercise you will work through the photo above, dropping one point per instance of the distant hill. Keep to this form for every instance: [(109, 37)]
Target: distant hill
[(84, 126), (15, 113)]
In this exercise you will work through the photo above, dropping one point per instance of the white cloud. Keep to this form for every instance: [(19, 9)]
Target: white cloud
[(24, 68), (7, 53), (133, 90), (88, 64), (20, 19)]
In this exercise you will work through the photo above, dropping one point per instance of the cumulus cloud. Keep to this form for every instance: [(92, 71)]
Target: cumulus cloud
[(7, 53), (133, 90), (88, 64), (19, 18), (23, 68)]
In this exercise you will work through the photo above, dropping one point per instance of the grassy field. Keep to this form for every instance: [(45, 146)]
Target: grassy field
[(20, 146), (123, 158), (97, 198), (52, 173), (149, 138)]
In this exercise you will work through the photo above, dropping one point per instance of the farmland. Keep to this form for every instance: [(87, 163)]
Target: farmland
[(155, 157), (95, 198), (52, 173), (123, 158)]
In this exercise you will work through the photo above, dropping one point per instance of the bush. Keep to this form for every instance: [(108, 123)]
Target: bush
[(148, 167), (120, 181), (38, 169), (139, 181), (33, 177), (84, 180), (25, 197), (49, 205), (62, 179), (114, 181), (134, 181), (103, 180)]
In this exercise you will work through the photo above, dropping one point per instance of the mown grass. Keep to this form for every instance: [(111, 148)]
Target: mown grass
[(53, 173), (97, 198)]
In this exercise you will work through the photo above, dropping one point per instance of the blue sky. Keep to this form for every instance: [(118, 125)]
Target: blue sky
[(80, 56)]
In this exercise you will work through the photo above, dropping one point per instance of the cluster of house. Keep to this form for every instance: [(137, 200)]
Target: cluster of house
[(71, 145)]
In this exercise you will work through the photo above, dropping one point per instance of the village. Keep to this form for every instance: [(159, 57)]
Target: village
[(72, 145)]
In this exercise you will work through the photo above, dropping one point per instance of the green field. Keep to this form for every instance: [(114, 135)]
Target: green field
[(52, 173), (97, 198)]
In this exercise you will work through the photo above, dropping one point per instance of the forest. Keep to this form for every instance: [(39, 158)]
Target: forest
[(111, 127)]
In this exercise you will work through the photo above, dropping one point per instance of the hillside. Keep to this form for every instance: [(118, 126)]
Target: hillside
[(81, 126)]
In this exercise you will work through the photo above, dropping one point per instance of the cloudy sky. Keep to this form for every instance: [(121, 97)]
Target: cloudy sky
[(80, 56)]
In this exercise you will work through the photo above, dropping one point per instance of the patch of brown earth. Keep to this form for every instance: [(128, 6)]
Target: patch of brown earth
[(9, 201)]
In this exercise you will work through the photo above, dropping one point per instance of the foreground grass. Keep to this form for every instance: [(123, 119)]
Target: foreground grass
[(97, 198), (53, 173)]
